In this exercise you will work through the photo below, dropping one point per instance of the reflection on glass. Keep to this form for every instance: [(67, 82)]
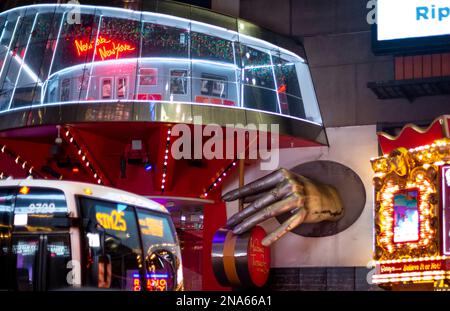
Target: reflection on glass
[(25, 252), (178, 82), (58, 256), (121, 240)]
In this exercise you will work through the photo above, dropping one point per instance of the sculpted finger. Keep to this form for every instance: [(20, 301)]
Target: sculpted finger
[(292, 222), (251, 198), (291, 202), (260, 185), (267, 199)]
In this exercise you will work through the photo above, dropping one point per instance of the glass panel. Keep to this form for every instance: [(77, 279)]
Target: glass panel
[(75, 43), (6, 207), (11, 65), (214, 83), (209, 47), (164, 41), (121, 241), (310, 103), (161, 250), (258, 80), (26, 258), (118, 38), (37, 60), (289, 93), (40, 201), (25, 79), (58, 256)]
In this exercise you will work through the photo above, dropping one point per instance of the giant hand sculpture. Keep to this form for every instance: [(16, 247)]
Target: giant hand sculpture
[(284, 192)]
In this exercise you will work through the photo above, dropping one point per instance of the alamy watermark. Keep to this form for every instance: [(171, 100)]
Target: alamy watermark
[(234, 141), (372, 14), (74, 15)]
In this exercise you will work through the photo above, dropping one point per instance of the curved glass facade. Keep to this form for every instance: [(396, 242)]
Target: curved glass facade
[(61, 54)]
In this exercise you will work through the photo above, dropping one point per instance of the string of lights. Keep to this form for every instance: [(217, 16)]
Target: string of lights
[(25, 165), (85, 157), (165, 162), (219, 179)]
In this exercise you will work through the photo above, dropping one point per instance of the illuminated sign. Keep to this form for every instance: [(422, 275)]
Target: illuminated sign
[(40, 201), (402, 19), (406, 216), (155, 282), (112, 221), (446, 209), (404, 267), (259, 257), (106, 48), (152, 226)]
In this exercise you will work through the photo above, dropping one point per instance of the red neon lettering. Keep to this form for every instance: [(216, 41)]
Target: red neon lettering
[(106, 48)]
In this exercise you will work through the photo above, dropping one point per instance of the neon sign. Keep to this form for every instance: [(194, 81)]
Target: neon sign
[(155, 282), (106, 48)]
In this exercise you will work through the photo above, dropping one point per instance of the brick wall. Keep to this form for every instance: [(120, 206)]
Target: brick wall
[(320, 278), (422, 66)]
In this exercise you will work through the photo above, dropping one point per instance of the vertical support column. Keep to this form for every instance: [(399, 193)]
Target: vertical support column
[(214, 217)]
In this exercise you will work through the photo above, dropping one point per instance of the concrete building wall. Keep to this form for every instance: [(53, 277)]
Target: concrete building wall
[(337, 40), (352, 147)]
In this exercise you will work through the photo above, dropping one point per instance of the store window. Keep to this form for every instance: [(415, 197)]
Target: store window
[(258, 80), (117, 39), (178, 82), (212, 85), (74, 43), (65, 90), (209, 47), (164, 41), (288, 88), (112, 237)]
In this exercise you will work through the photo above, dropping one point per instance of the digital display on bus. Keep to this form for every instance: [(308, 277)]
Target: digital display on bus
[(406, 216), (40, 201)]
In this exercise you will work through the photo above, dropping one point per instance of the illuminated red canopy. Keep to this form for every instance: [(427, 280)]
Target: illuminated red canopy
[(412, 136)]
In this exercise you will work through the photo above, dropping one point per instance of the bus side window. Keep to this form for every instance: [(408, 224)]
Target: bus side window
[(113, 244)]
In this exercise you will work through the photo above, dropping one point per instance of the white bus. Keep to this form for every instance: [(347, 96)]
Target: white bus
[(60, 235)]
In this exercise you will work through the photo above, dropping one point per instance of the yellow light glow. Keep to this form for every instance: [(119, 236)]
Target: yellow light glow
[(24, 190)]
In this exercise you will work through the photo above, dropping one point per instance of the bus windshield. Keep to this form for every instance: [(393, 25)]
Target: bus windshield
[(139, 245)]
